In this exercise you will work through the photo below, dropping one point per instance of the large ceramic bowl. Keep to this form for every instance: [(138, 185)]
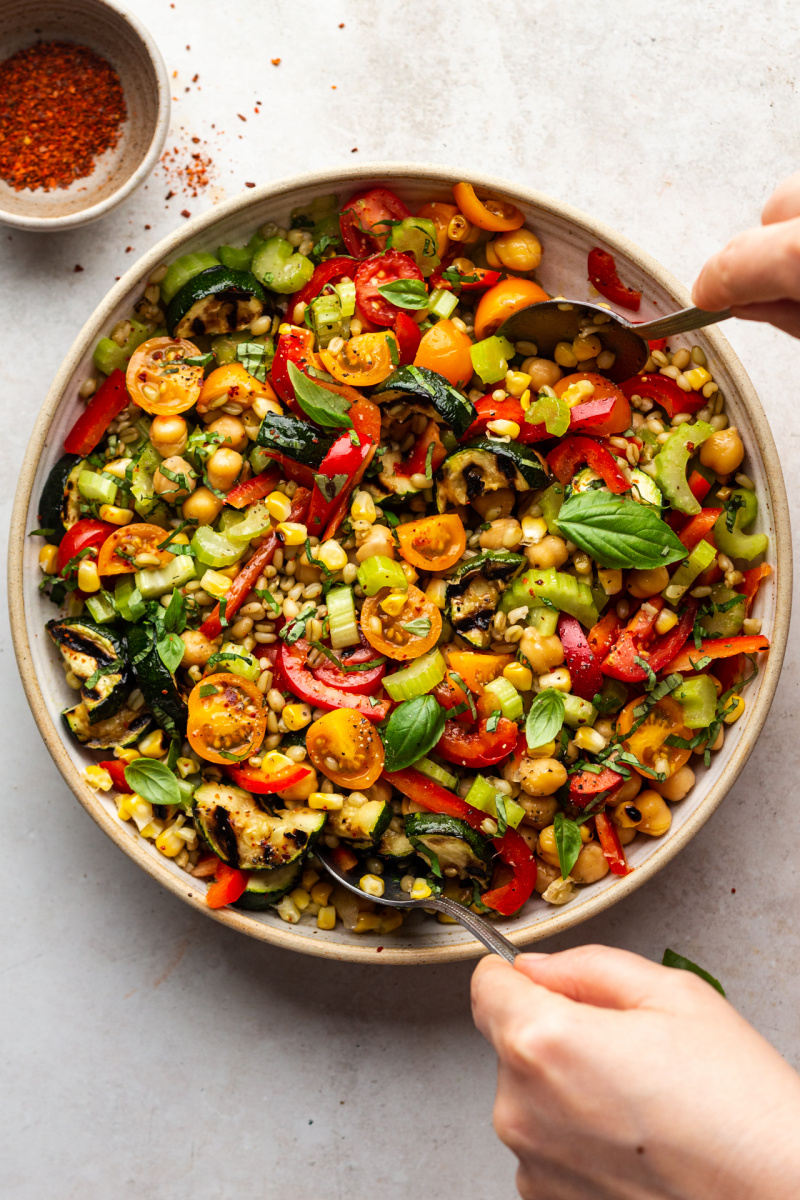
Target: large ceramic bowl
[(567, 235)]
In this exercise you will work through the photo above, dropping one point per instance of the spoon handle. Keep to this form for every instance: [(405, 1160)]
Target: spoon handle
[(680, 322), (483, 930)]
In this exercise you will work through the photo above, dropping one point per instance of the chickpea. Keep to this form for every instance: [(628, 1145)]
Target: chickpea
[(539, 810), (543, 372), (519, 250), (723, 451), (551, 551), (169, 435), (197, 648), (231, 430), (203, 507), (378, 541), (630, 789), (504, 534), (546, 874), (547, 846), (305, 572), (542, 776), (643, 584), (301, 790), (171, 489), (626, 815), (223, 468), (529, 836), (656, 817), (541, 652), (590, 865), (677, 786), (626, 836), (493, 505), (380, 791)]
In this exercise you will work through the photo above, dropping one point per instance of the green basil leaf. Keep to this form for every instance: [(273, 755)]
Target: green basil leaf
[(153, 781), (545, 718), (208, 689), (175, 614), (251, 355), (405, 293), (324, 407), (619, 533), (421, 627), (493, 721), (671, 959), (330, 485), (170, 650), (568, 842), (412, 730)]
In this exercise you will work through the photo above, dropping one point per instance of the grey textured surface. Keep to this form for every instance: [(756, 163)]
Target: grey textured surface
[(149, 1054)]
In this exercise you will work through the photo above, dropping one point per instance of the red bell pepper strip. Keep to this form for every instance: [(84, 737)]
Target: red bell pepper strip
[(476, 280), (732, 672), (696, 528), (601, 637), (664, 648), (584, 670), (619, 663), (85, 534), (477, 747), (512, 848), (699, 486), (229, 884), (752, 582), (603, 276), (586, 786), (665, 392), (366, 418), (265, 783), (116, 769), (343, 459), (408, 338), (418, 459), (246, 579), (296, 346), (489, 409), (610, 845), (657, 343), (569, 454), (291, 663), (297, 472), (327, 271), (253, 489), (106, 404), (714, 648)]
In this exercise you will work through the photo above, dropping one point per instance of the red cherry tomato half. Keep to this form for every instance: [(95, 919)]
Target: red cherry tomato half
[(364, 220), (82, 536), (374, 273), (408, 336), (477, 747), (360, 682)]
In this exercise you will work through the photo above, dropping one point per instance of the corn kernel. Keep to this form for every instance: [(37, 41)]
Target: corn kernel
[(47, 559), (273, 760), (263, 405), (326, 801), (293, 533), (124, 811), (610, 580), (420, 890), (363, 507), (284, 327), (367, 923), (309, 879), (118, 468), (589, 739), (445, 919), (534, 530), (560, 679), (525, 400), (88, 577), (516, 383), (410, 573), (152, 745), (180, 539), (321, 893), (521, 677), (666, 620), (278, 505), (98, 777), (168, 842), (391, 921), (578, 393), (152, 829), (436, 592), (296, 716), (394, 603), (216, 584), (373, 885), (287, 910), (588, 346), (115, 515), (736, 712), (545, 751), (504, 428), (698, 377), (326, 917), (301, 898), (331, 555), (564, 355), (186, 766), (126, 753)]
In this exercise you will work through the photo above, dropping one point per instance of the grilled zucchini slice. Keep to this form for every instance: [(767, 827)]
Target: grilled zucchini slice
[(361, 823), (454, 842), (87, 648), (217, 300), (246, 836), (60, 502), (473, 593), (429, 393), (484, 466), (124, 729), (394, 843), (265, 888)]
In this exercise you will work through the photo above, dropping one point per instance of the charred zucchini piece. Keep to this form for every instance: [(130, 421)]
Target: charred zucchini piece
[(297, 439), (246, 836), (484, 466), (361, 823), (217, 300), (394, 843), (59, 505), (427, 392), (454, 842), (265, 888), (473, 593), (87, 649), (157, 684), (124, 729)]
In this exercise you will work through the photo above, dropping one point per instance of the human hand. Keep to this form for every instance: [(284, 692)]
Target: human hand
[(757, 274), (623, 1080)]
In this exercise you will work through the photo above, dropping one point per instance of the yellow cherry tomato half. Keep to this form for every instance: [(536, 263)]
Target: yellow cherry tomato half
[(158, 378), (227, 718), (346, 747), (406, 634), (362, 361), (445, 349), (119, 550), (434, 543), (502, 300), (478, 669), (441, 215), (647, 743), (232, 384), (489, 212)]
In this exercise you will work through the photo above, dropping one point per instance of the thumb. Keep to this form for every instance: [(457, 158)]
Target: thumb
[(504, 1001)]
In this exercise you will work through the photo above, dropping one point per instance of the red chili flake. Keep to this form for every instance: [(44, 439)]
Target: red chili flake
[(241, 118), (341, 26), (147, 226), (354, 150), (276, 62), (169, 195), (185, 212), (77, 267), (195, 78), (249, 185), (196, 141), (61, 107)]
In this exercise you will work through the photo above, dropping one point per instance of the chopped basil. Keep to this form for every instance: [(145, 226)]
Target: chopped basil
[(545, 718), (648, 670), (252, 355), (568, 842), (208, 689), (114, 668), (412, 730), (326, 408), (493, 721), (421, 627), (263, 594)]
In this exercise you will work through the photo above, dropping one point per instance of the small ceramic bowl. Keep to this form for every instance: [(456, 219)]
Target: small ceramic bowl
[(567, 236), (122, 40)]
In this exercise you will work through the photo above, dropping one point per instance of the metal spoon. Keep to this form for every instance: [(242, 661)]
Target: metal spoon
[(553, 321), (394, 897)]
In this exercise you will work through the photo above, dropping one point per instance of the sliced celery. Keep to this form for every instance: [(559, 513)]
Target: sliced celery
[(328, 319), (346, 291), (102, 608), (490, 358), (543, 620), (578, 712), (438, 774), (182, 270), (380, 572), (238, 258), (239, 662), (421, 677), (157, 581), (484, 797), (700, 559), (697, 697), (256, 522), (550, 410), (505, 697), (110, 356), (342, 618), (442, 304), (214, 549), (550, 503), (417, 236), (278, 265), (128, 600), (97, 487)]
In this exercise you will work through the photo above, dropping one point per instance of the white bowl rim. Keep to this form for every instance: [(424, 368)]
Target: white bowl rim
[(359, 950)]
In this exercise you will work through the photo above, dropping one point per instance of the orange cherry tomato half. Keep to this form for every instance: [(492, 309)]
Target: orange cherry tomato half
[(502, 300), (159, 380), (434, 543), (441, 215), (347, 748), (227, 719), (487, 212), (236, 385), (362, 361), (389, 632), (647, 742), (445, 349), (478, 669), (118, 551)]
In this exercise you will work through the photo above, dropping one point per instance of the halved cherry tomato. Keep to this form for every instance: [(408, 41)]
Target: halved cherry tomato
[(446, 349), (83, 535), (343, 461), (595, 415), (347, 748), (291, 665), (328, 272), (256, 488), (159, 380), (120, 549), (296, 346), (408, 336), (620, 662), (441, 214), (502, 300), (647, 742), (373, 273), (266, 783), (106, 404), (364, 220), (236, 384), (390, 634), (362, 682), (603, 276), (476, 279), (362, 361), (227, 718), (450, 695), (582, 665), (478, 669), (601, 637), (477, 747), (229, 884), (434, 543), (417, 462), (489, 212)]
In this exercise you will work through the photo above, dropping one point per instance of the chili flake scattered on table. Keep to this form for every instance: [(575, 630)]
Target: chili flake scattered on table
[(61, 107)]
